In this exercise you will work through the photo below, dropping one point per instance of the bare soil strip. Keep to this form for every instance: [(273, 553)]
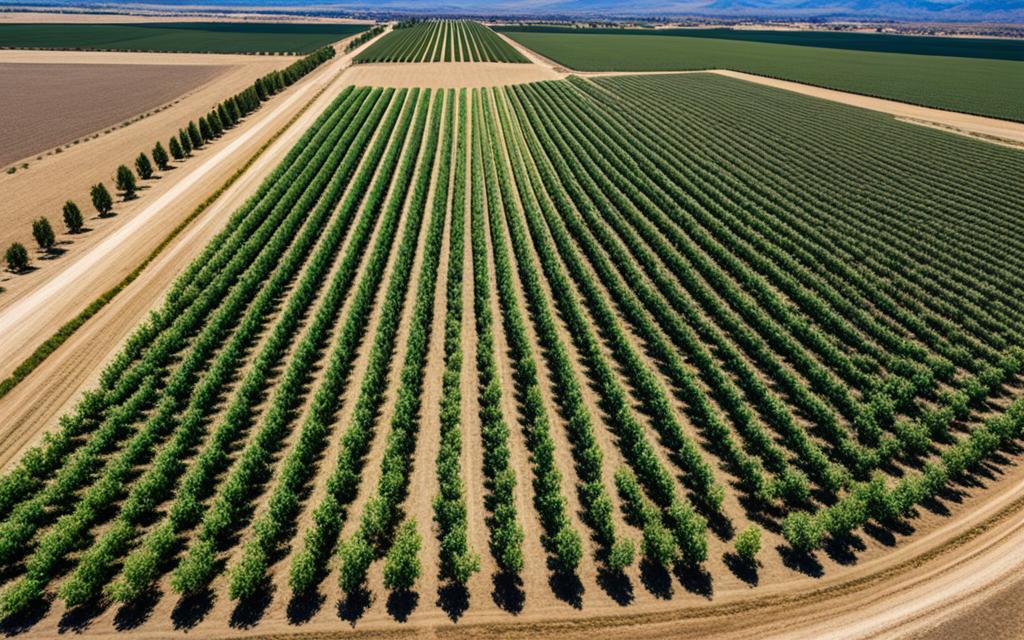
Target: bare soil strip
[(446, 74)]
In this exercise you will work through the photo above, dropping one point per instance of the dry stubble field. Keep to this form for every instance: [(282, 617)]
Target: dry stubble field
[(46, 105), (535, 326)]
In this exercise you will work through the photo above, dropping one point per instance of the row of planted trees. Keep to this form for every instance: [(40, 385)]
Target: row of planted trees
[(217, 309), (195, 135)]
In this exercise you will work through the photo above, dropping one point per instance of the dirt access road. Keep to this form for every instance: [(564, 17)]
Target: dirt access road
[(32, 406), (988, 129)]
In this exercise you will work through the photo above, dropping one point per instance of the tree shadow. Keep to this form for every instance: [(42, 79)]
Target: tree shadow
[(719, 524), (745, 570), (24, 621), (656, 579), (401, 603), (191, 609), (78, 619), (508, 592), (131, 615), (52, 253), (617, 585), (303, 606), (567, 587), (352, 606), (696, 580), (249, 611), (28, 269), (805, 563), (453, 599), (843, 549)]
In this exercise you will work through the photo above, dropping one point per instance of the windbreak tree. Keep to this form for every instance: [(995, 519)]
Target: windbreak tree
[(176, 151), (143, 167), (72, 217), (17, 258), (160, 157), (194, 136), (126, 181), (43, 233), (204, 129), (101, 199), (186, 142)]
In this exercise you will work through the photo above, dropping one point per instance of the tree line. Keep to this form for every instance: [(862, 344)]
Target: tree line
[(194, 135)]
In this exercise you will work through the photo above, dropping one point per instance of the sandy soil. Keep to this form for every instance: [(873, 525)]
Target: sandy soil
[(32, 406), (44, 105), (447, 74)]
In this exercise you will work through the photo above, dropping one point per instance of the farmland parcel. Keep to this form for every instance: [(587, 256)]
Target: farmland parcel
[(46, 105), (987, 87), (533, 334), (197, 37)]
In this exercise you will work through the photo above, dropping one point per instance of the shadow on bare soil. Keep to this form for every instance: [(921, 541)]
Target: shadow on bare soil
[(568, 588), (352, 606), (249, 611), (453, 599), (508, 592), (302, 607), (618, 586), (656, 579), (132, 615), (77, 619), (402, 603), (23, 622), (742, 569), (191, 609)]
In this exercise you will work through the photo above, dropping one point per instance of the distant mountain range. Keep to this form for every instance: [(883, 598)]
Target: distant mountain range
[(916, 10)]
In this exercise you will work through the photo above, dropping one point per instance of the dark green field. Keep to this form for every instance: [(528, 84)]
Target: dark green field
[(987, 48), (200, 37), (984, 87)]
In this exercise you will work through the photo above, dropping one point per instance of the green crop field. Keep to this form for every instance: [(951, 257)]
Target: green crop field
[(567, 343), (987, 48), (984, 87), (441, 41), (199, 37)]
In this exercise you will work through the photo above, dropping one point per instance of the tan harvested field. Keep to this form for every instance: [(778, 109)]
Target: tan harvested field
[(454, 75), (595, 231), (46, 105)]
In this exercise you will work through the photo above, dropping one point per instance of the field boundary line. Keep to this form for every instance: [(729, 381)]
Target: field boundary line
[(51, 344)]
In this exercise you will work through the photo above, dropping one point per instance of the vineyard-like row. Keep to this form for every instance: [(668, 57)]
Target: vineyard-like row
[(441, 41), (590, 331)]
